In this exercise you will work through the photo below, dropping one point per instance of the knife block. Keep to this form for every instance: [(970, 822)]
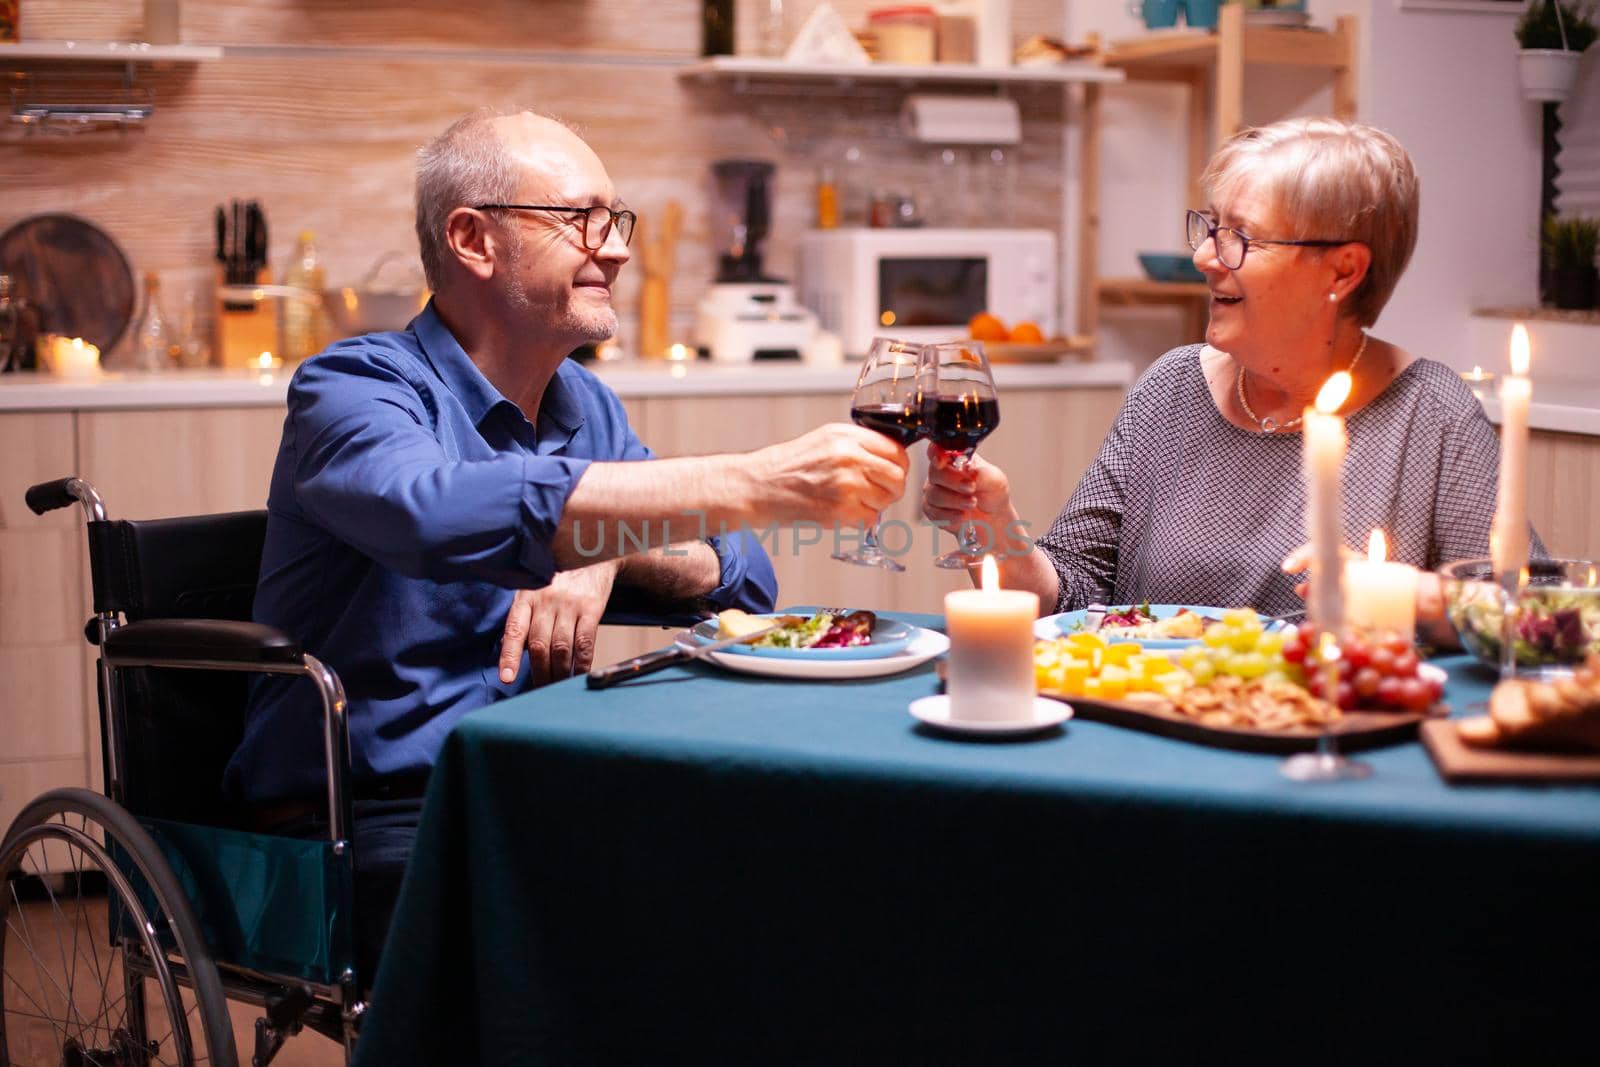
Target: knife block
[(246, 329)]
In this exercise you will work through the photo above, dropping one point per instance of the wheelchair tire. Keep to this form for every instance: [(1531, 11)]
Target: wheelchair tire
[(72, 989)]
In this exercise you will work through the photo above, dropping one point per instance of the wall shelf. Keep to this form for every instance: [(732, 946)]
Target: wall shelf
[(109, 52), (741, 69), (1213, 66), (33, 113)]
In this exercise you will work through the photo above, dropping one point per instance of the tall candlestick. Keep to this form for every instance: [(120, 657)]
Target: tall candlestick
[(1324, 459), (991, 650), (1508, 542), (1380, 595)]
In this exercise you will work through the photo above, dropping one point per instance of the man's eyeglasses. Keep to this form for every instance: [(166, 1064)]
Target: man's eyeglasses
[(597, 220), (1231, 244)]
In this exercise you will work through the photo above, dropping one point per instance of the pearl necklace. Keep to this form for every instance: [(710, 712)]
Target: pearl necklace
[(1272, 425)]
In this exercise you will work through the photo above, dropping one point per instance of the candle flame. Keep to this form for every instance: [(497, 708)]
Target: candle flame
[(1334, 392), (1519, 349), (265, 359), (991, 575), (1377, 547)]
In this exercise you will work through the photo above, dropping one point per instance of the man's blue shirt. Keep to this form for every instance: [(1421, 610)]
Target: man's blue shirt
[(408, 502)]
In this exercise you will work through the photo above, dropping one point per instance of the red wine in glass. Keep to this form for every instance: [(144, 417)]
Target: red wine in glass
[(902, 423), (889, 398), (964, 410), (957, 424)]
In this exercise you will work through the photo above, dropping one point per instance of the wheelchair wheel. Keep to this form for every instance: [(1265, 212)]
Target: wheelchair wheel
[(101, 961)]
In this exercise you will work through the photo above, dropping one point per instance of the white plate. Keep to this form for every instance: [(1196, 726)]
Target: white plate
[(925, 644), (935, 711), (1053, 626)]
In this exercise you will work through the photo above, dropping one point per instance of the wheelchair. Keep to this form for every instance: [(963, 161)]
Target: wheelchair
[(131, 918)]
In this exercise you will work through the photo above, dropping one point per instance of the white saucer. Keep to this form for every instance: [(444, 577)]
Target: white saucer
[(935, 711)]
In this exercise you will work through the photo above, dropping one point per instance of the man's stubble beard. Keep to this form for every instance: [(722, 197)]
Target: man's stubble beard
[(592, 328)]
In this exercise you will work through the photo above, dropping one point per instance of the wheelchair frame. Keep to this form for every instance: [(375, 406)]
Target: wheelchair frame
[(333, 1009)]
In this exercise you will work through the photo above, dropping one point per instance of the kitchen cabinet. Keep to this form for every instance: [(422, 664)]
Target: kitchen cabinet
[(44, 735), (1046, 439), (1214, 67), (1563, 497)]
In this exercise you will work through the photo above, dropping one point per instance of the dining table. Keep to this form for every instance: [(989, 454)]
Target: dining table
[(717, 867)]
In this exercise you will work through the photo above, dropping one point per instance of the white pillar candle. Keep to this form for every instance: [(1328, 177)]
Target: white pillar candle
[(991, 650), (1324, 443), (74, 358), (1380, 595), (1508, 540)]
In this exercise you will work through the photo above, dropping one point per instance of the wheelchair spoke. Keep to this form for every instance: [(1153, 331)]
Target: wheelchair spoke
[(71, 1010), (41, 974)]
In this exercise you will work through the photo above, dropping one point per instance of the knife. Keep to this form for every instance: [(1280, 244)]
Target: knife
[(651, 662)]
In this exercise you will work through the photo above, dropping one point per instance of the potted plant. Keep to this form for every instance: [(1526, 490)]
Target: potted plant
[(1569, 247), (1553, 35)]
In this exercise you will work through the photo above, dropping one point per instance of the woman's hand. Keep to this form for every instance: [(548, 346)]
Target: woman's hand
[(557, 624), (980, 494), (1432, 625)]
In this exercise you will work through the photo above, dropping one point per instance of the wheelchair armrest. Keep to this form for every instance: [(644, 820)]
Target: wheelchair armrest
[(634, 607), (226, 643)]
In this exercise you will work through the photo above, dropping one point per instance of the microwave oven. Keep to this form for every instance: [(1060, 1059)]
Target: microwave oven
[(923, 285)]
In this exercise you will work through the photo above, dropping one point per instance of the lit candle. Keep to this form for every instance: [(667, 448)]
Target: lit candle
[(1508, 541), (1324, 459), (74, 358), (991, 650), (1379, 594)]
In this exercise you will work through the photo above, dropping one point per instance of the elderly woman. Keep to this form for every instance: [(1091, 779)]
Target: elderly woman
[(1196, 495)]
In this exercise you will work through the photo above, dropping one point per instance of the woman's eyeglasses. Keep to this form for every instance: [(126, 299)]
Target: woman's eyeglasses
[(597, 222), (1231, 244)]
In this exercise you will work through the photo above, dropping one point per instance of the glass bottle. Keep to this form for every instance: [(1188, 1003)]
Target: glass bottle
[(770, 28), (10, 325), (827, 199), (716, 28), (153, 339), (305, 329)]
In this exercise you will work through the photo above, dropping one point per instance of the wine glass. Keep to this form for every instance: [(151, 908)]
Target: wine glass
[(888, 398), (963, 412)]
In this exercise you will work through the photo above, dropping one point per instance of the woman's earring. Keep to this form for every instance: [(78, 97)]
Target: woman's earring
[(1333, 298)]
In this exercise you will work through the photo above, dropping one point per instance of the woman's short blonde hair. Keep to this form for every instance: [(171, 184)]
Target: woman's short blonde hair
[(1332, 180)]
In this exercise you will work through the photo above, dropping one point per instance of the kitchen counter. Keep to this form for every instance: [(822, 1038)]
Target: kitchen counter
[(1560, 405), (631, 379)]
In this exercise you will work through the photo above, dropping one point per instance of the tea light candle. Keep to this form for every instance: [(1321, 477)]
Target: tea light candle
[(1324, 443), (1380, 595), (74, 358), (1508, 541), (991, 649)]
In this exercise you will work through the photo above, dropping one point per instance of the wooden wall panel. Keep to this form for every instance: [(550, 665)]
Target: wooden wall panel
[(323, 129), (670, 27), (1563, 501)]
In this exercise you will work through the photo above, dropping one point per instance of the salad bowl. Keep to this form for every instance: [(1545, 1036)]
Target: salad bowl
[(1559, 622)]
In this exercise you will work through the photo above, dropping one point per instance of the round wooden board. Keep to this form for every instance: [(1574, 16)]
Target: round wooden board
[(74, 274)]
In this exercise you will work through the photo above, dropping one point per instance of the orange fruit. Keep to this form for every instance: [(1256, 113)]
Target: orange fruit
[(986, 327), (1027, 333)]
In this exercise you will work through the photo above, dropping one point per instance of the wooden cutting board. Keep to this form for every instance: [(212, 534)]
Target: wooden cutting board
[(1354, 731), (74, 274), (1458, 762)]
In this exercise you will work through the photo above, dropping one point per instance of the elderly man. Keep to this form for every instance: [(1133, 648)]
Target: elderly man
[(454, 498)]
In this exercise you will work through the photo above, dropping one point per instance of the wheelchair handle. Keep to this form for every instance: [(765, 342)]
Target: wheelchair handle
[(62, 493)]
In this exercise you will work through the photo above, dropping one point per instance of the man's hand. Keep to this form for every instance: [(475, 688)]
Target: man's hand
[(557, 624), (836, 473)]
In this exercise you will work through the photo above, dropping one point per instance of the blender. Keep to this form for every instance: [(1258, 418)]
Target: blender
[(745, 314)]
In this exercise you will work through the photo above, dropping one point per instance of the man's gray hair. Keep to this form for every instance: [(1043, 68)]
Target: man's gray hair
[(466, 164)]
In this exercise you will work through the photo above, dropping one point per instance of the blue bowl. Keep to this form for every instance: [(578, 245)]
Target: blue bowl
[(1170, 267)]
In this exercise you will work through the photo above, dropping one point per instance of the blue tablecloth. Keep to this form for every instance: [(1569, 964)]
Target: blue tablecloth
[(716, 868)]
